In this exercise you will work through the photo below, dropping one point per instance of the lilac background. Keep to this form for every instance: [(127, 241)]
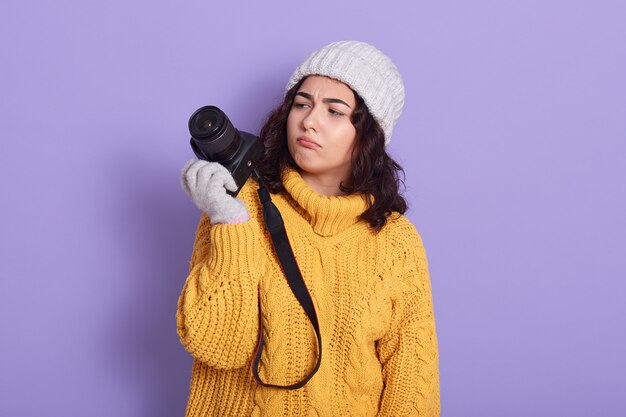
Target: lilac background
[(514, 144)]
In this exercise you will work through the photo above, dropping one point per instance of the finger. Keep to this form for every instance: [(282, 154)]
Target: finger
[(205, 176), (192, 174), (225, 180), (187, 165), (183, 176), (229, 182)]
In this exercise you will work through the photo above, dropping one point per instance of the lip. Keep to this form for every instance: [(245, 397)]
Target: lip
[(307, 142)]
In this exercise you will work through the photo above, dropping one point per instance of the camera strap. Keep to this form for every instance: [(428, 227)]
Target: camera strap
[(276, 227)]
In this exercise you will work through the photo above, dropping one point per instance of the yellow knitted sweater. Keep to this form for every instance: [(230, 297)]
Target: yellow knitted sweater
[(371, 292)]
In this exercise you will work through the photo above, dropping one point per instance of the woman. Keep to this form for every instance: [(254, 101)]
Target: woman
[(363, 262)]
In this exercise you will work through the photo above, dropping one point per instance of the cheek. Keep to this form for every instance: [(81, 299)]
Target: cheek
[(290, 127), (290, 139), (291, 136), (348, 138)]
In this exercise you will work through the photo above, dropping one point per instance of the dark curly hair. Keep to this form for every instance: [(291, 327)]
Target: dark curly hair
[(374, 173)]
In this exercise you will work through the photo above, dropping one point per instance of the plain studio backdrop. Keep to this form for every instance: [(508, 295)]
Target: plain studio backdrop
[(513, 138)]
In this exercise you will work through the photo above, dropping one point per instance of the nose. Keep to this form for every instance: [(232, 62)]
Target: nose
[(311, 120)]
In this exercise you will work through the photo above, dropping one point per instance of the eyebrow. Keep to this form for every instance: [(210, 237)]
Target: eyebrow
[(326, 100)]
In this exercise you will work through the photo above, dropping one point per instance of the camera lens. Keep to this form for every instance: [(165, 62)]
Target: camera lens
[(213, 134), (207, 122)]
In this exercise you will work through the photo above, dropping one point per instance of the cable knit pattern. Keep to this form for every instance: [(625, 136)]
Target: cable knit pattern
[(372, 294)]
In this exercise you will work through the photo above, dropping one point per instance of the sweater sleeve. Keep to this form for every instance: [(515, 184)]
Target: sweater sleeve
[(217, 315), (408, 352)]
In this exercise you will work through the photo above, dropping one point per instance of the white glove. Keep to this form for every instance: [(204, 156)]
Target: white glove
[(206, 183)]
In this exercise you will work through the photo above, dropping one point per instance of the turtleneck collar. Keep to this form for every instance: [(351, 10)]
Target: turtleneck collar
[(328, 215)]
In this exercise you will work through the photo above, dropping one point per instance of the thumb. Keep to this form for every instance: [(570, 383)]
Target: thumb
[(226, 179), (230, 184)]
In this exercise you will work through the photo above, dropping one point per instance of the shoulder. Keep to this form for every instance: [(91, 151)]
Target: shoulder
[(408, 262), (401, 233)]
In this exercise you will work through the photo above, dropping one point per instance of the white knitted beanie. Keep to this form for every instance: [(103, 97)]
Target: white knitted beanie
[(365, 69)]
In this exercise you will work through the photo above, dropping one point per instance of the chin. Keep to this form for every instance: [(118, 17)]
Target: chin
[(306, 164), (309, 168)]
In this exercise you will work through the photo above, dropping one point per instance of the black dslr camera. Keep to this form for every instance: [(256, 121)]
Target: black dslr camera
[(213, 138)]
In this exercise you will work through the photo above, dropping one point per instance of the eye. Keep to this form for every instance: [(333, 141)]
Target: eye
[(336, 113), (300, 105)]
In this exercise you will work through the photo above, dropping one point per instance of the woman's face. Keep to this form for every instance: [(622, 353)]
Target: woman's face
[(320, 135)]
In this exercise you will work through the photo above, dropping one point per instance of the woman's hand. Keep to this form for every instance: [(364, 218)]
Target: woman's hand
[(206, 183)]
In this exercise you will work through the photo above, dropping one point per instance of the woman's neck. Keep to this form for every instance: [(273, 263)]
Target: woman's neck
[(323, 184)]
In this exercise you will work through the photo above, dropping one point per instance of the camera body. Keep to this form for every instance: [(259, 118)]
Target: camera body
[(214, 138)]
